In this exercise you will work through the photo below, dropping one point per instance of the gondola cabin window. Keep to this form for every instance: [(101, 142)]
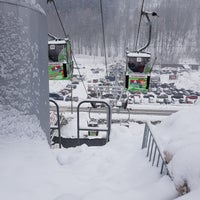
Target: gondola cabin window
[(137, 61)]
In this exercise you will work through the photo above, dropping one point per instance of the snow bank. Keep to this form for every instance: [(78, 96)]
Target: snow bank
[(180, 136), (16, 124), (118, 170), (29, 169), (25, 158)]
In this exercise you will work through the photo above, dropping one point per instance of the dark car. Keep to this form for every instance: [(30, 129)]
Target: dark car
[(73, 86), (64, 91), (167, 101), (177, 96), (75, 99), (182, 100), (162, 96), (168, 92), (68, 98), (56, 96), (75, 82)]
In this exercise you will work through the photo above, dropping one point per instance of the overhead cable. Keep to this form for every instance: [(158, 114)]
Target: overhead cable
[(67, 36), (139, 24), (103, 32)]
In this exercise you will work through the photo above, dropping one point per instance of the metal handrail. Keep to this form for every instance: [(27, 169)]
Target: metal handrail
[(153, 151), (58, 121), (93, 103)]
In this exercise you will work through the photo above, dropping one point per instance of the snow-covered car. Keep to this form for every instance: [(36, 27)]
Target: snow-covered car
[(167, 101), (160, 100), (137, 99), (152, 99), (130, 100), (56, 96), (191, 99)]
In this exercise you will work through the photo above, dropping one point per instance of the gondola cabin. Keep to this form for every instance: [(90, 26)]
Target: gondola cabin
[(138, 61), (60, 65), (137, 71)]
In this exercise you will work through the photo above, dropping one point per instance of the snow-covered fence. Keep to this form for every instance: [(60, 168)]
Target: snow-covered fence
[(153, 151)]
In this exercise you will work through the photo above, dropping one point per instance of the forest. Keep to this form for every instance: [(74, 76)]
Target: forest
[(175, 32)]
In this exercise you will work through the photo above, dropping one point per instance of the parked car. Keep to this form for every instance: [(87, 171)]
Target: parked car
[(69, 98), (92, 94), (177, 96), (137, 99), (73, 86), (130, 100), (182, 100), (160, 100), (108, 95), (168, 92), (75, 99), (197, 93), (157, 92), (146, 96), (191, 99), (162, 96), (64, 91), (152, 99), (167, 101), (56, 96), (75, 82)]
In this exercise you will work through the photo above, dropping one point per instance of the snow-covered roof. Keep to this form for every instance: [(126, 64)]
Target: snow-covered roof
[(57, 42), (138, 54)]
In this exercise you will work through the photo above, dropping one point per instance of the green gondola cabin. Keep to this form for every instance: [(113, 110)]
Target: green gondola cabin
[(60, 65), (138, 68)]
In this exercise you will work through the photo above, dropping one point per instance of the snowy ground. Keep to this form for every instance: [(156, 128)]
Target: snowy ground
[(118, 170), (29, 169)]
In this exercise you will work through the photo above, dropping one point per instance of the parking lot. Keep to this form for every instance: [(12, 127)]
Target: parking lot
[(111, 89)]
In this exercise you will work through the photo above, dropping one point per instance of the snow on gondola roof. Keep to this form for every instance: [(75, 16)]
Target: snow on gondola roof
[(138, 54), (57, 41)]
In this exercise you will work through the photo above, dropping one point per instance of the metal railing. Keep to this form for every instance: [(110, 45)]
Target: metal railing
[(154, 154), (57, 125), (108, 120)]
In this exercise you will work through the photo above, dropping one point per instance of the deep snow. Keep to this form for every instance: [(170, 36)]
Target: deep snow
[(118, 170)]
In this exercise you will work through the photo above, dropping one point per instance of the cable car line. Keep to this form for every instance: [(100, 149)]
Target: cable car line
[(103, 32), (79, 73), (52, 36), (67, 36), (139, 24)]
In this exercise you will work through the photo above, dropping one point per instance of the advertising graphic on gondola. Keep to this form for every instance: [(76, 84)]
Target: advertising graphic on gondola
[(138, 84), (60, 65)]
